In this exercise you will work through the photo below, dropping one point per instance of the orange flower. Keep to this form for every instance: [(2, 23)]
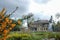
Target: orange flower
[(0, 28), (2, 16), (5, 31), (13, 25), (6, 24), (7, 19), (10, 28), (3, 25), (19, 22), (4, 38), (10, 21)]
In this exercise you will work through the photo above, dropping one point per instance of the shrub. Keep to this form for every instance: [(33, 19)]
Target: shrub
[(19, 36)]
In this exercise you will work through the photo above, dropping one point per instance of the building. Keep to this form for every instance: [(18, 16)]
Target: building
[(40, 25)]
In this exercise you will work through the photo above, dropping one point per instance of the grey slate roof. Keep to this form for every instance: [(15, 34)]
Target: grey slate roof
[(41, 22)]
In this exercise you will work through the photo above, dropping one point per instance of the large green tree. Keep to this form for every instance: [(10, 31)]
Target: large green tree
[(56, 26)]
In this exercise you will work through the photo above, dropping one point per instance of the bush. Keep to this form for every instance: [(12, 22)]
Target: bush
[(19, 36)]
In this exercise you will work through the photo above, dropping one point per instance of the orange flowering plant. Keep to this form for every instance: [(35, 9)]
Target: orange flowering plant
[(6, 24)]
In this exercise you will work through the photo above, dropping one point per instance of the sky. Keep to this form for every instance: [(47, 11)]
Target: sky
[(41, 9), (45, 7)]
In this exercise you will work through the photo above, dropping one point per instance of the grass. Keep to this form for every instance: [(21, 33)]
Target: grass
[(35, 35)]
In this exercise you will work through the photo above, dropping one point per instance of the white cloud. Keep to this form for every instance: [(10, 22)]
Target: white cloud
[(41, 1), (13, 18), (51, 8)]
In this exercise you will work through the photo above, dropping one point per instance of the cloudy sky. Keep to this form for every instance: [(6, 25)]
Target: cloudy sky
[(42, 9)]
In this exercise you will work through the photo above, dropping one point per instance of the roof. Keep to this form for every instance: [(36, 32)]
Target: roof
[(41, 22)]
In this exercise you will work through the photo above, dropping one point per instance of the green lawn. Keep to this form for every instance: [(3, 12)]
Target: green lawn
[(35, 35)]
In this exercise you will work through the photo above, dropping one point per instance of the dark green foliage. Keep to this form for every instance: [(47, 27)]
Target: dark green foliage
[(17, 27)]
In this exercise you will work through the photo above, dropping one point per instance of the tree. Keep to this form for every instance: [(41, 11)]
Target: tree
[(28, 18), (57, 15), (56, 25), (17, 27)]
